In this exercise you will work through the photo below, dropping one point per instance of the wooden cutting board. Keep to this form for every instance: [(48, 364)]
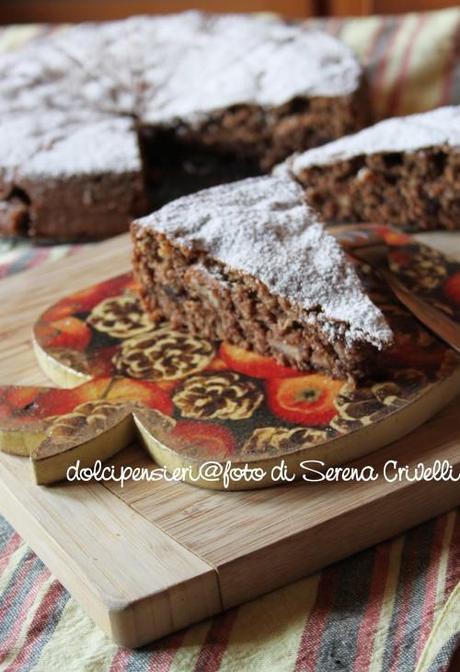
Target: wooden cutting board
[(153, 557)]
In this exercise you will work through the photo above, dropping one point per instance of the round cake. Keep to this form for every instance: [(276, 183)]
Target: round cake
[(102, 122)]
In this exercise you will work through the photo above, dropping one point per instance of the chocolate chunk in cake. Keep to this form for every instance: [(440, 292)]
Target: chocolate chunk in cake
[(250, 263), (177, 103), (403, 171)]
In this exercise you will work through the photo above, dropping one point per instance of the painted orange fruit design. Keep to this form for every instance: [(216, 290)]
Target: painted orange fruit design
[(21, 397), (101, 365), (144, 391), (17, 404), (251, 364), (71, 333), (305, 400), (203, 438), (85, 300), (59, 402)]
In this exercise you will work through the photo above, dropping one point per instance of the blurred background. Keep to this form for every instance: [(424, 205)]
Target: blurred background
[(55, 11)]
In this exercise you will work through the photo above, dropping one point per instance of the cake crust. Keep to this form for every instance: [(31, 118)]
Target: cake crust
[(250, 263)]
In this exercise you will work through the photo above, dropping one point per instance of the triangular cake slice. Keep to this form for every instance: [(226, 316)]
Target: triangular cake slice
[(250, 263), (402, 171)]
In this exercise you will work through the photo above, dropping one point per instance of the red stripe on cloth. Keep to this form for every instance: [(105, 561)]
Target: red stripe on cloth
[(120, 660), (7, 643), (367, 58), (370, 619), (11, 546), (453, 565), (43, 615), (429, 603), (394, 98), (379, 73), (216, 642), (162, 659), (17, 582), (315, 625)]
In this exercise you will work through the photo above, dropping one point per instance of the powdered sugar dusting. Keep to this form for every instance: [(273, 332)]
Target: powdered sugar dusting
[(61, 144), (263, 227), (100, 146), (178, 66), (222, 61), (399, 134)]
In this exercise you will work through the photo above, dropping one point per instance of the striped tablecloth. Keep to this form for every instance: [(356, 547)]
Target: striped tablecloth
[(394, 607)]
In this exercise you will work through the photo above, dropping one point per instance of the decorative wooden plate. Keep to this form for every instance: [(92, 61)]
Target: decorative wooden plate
[(194, 402), (150, 558)]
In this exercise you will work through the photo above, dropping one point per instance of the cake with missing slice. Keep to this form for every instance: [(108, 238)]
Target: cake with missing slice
[(403, 171), (100, 117), (250, 263)]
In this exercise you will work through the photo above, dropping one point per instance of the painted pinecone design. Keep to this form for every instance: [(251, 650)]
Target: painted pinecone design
[(163, 353), (356, 409), (120, 317), (360, 408), (91, 415), (281, 440), (225, 395), (427, 269)]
